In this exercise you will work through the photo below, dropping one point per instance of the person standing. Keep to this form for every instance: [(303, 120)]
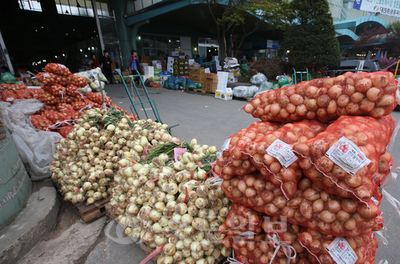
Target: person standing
[(106, 66), (134, 65), (93, 62), (199, 59)]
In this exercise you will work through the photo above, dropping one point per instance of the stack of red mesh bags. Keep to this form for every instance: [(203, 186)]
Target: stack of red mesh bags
[(11, 91), (305, 181), (63, 101)]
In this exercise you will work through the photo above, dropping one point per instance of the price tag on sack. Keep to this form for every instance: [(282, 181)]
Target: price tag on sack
[(341, 251), (347, 155), (224, 147), (282, 152)]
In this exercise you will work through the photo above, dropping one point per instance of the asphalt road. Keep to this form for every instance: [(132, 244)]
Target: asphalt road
[(211, 121)]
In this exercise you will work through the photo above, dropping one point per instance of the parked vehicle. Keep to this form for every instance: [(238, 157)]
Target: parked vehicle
[(392, 68), (354, 66)]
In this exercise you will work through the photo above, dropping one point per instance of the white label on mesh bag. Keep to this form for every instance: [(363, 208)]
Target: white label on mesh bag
[(347, 155), (341, 251), (224, 147), (282, 152), (248, 233)]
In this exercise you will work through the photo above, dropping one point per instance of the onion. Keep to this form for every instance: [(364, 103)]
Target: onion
[(195, 246), (327, 217)]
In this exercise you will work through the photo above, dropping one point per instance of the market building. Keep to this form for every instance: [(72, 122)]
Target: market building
[(70, 32)]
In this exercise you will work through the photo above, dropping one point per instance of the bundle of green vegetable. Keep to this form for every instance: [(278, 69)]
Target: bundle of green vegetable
[(86, 160), (172, 206)]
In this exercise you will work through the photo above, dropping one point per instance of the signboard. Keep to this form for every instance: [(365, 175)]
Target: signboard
[(270, 44), (389, 8)]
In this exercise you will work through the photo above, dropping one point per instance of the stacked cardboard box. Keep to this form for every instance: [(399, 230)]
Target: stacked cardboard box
[(149, 71), (181, 67), (197, 76), (145, 59), (156, 64), (211, 82), (124, 73)]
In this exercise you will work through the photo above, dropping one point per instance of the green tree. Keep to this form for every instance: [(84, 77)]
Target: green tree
[(310, 37), (231, 16), (393, 38)]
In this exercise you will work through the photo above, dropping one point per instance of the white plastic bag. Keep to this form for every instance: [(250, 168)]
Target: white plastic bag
[(36, 147), (258, 79), (265, 86), (245, 91)]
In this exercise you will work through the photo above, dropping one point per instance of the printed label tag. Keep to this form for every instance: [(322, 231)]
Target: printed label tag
[(341, 251), (224, 147), (347, 155), (9, 99), (46, 75), (282, 152), (178, 152)]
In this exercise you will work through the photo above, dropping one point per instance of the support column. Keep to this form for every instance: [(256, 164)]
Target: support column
[(123, 32)]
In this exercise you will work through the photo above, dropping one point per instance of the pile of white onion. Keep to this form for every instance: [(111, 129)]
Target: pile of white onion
[(86, 160), (172, 206)]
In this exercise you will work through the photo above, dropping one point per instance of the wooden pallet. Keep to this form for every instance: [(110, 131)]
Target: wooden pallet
[(109, 211), (197, 90), (89, 213)]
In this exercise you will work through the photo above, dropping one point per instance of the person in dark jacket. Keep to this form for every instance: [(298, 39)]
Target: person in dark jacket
[(134, 65), (106, 66), (199, 59)]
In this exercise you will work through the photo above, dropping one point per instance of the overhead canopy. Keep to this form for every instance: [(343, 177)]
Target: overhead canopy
[(346, 35), (194, 15), (357, 24)]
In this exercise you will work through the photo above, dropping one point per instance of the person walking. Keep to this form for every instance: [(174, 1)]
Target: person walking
[(93, 62), (106, 66), (134, 66)]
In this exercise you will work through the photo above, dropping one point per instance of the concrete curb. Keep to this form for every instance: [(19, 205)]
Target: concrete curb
[(31, 225)]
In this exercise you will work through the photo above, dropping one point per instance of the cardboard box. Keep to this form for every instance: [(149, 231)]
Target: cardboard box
[(214, 58), (236, 72), (175, 53), (224, 95), (211, 87), (197, 75), (144, 59), (212, 77), (149, 70), (157, 65), (232, 78), (201, 80), (196, 70)]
